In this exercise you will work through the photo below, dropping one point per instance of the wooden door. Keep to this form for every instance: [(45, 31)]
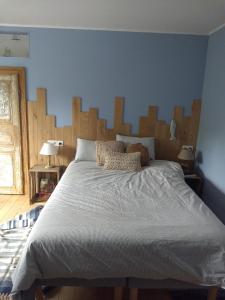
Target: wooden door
[(11, 179)]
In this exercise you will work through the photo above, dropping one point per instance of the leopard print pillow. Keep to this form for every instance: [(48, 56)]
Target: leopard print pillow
[(143, 150), (123, 161), (107, 147)]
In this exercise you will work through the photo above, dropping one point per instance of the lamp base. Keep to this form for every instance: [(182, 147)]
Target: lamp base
[(187, 166), (48, 167)]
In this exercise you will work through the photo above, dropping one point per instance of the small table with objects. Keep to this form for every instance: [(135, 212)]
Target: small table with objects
[(195, 182), (42, 182)]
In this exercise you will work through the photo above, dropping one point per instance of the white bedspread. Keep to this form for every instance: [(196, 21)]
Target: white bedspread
[(107, 224)]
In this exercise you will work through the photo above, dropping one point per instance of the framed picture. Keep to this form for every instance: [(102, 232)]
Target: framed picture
[(14, 44)]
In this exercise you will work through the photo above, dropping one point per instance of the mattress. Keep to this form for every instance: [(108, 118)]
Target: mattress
[(118, 224)]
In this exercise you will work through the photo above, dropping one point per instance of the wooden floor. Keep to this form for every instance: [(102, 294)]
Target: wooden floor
[(12, 205), (79, 293)]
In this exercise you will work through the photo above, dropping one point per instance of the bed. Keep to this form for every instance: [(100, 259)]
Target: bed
[(123, 229)]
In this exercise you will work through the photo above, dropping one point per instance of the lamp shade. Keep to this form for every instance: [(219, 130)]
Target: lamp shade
[(48, 149), (186, 154)]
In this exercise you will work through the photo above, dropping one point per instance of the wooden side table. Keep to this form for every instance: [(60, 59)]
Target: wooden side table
[(195, 182), (34, 180)]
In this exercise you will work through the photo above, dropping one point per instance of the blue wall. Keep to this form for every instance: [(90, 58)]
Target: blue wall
[(158, 69), (211, 143)]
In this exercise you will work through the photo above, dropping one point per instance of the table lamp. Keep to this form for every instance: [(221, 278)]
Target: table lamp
[(48, 149), (186, 155)]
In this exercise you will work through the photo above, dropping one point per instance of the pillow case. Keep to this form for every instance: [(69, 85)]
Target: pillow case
[(107, 147), (132, 148), (123, 161), (86, 150), (148, 142)]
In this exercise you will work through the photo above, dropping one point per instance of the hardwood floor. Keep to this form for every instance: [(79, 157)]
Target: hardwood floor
[(12, 205), (79, 293)]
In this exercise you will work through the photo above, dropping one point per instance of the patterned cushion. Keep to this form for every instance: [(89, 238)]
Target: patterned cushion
[(123, 161), (143, 150), (107, 147)]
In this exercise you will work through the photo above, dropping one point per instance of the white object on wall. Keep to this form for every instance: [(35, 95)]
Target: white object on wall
[(56, 142), (173, 130), (14, 44)]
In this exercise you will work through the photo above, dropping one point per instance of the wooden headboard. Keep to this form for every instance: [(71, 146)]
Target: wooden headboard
[(41, 127)]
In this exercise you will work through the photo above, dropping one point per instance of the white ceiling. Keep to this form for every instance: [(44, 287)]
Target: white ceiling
[(173, 16)]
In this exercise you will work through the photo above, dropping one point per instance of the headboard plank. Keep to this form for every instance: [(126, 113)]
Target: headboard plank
[(194, 122), (147, 125), (76, 108), (32, 132), (41, 127), (118, 115)]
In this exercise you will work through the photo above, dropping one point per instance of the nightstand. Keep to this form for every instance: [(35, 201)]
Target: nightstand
[(42, 182), (195, 182)]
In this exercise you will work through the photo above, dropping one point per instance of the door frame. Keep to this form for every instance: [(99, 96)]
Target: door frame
[(21, 73)]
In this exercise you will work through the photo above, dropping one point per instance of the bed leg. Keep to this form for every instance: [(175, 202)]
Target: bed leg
[(133, 294), (118, 293), (39, 294), (212, 293)]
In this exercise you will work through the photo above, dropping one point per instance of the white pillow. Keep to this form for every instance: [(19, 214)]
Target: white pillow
[(148, 142), (86, 150)]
